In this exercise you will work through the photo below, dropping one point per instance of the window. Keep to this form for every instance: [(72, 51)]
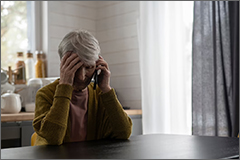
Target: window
[(15, 31)]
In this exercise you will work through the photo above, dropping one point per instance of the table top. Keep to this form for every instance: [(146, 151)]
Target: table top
[(28, 116), (155, 146)]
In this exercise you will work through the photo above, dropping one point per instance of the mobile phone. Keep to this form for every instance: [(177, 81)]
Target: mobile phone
[(95, 79)]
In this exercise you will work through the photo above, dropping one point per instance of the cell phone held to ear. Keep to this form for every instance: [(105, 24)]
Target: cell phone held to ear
[(95, 79)]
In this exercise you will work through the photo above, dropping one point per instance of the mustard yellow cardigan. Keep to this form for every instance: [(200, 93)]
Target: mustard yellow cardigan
[(106, 118)]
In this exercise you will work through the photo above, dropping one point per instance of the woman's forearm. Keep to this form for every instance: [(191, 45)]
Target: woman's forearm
[(119, 122), (51, 119)]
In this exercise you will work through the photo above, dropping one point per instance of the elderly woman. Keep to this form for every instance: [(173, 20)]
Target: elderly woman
[(70, 109)]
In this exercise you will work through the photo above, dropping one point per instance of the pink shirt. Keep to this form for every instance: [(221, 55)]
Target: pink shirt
[(78, 115)]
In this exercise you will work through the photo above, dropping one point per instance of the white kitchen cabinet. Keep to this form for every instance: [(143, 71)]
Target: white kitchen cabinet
[(16, 134), (137, 124)]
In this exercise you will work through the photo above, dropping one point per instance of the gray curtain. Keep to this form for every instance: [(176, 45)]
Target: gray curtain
[(234, 39), (213, 104)]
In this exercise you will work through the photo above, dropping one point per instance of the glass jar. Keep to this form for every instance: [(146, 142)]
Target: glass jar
[(44, 59), (30, 71), (20, 74), (39, 66)]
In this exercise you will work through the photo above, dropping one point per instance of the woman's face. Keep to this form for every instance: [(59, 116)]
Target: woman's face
[(83, 76)]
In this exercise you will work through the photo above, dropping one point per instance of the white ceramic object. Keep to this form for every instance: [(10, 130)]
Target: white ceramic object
[(30, 107), (34, 85), (5, 86), (10, 103)]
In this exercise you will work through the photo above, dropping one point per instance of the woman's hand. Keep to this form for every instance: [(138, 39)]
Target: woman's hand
[(104, 76), (69, 65)]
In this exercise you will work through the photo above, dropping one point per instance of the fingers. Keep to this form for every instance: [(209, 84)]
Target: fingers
[(71, 58), (69, 65), (64, 58), (103, 69), (102, 62), (73, 63), (76, 67)]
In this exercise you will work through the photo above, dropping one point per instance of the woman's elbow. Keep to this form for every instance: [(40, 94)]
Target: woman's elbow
[(56, 143), (128, 133), (125, 134)]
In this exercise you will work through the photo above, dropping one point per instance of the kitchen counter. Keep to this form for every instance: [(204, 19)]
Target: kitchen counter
[(22, 116), (28, 116)]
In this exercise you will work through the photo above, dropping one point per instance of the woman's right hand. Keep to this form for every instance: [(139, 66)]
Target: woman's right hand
[(70, 63)]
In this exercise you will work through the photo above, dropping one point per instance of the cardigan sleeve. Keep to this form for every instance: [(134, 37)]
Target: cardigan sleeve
[(51, 113), (118, 124)]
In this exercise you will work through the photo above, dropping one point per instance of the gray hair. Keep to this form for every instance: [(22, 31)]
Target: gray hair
[(81, 42)]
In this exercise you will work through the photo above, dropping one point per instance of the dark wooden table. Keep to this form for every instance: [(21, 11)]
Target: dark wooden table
[(155, 146)]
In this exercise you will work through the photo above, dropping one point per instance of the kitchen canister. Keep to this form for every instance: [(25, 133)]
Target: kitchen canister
[(33, 86)]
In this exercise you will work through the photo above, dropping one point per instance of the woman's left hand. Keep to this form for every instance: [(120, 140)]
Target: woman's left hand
[(104, 76)]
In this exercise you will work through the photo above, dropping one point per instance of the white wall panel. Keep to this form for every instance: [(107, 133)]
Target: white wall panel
[(54, 44), (126, 81), (103, 4), (127, 56), (127, 69), (117, 33), (118, 9), (117, 21), (72, 10), (89, 4), (54, 57), (128, 94), (58, 31), (70, 21), (53, 69), (119, 45)]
